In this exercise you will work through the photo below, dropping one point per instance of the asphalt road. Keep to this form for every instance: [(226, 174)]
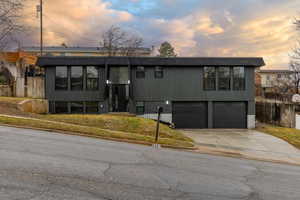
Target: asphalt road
[(37, 165)]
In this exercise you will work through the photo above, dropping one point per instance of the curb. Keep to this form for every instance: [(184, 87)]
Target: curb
[(99, 137), (233, 154)]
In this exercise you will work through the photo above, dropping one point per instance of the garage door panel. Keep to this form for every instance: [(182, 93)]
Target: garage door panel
[(190, 114), (229, 114)]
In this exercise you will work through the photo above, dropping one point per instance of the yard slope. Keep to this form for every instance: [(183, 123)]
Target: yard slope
[(106, 126)]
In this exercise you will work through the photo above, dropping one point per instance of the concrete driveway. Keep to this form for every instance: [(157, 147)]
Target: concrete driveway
[(248, 143)]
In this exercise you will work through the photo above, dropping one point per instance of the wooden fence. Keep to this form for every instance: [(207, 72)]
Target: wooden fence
[(35, 87), (276, 113)]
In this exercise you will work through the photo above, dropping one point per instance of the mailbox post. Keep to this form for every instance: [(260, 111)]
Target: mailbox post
[(159, 111)]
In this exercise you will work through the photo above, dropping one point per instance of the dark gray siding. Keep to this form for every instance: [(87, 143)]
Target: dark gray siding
[(68, 95), (186, 84)]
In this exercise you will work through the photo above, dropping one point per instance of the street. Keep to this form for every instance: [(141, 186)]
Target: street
[(38, 165)]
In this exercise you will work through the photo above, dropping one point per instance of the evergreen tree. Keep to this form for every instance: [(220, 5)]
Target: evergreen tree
[(166, 50)]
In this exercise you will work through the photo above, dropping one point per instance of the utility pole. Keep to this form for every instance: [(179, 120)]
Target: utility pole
[(40, 10)]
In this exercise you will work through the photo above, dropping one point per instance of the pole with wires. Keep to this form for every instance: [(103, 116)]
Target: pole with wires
[(41, 21), (40, 11)]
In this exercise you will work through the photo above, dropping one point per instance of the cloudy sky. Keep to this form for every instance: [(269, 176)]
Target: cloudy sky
[(194, 27)]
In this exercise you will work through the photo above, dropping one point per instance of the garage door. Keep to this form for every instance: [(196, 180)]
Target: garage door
[(190, 114), (229, 115)]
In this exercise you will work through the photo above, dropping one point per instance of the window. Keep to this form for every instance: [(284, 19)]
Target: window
[(140, 108), (76, 107), (61, 78), (76, 78), (159, 72), (278, 75), (224, 78), (119, 75), (209, 78), (238, 78), (61, 107), (92, 78), (91, 107), (140, 72)]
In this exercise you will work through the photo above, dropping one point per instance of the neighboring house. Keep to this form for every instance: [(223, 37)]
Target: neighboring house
[(78, 51), (194, 92), (274, 79), (258, 88), (16, 66)]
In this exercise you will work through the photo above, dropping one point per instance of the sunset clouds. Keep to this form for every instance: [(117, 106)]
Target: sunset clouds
[(195, 27)]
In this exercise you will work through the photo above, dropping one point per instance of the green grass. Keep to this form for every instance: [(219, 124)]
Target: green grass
[(130, 124), (93, 131), (290, 135), (106, 126)]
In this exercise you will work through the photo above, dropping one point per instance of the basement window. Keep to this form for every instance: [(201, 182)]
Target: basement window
[(91, 107), (77, 107), (140, 108), (61, 107)]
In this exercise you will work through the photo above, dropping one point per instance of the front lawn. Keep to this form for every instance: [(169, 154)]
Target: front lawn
[(104, 126), (290, 135), (122, 123), (139, 130)]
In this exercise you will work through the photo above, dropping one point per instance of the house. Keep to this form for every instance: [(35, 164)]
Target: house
[(79, 51), (16, 66), (272, 80), (194, 92)]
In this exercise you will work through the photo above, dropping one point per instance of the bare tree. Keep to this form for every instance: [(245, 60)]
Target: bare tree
[(118, 42), (295, 61), (295, 67), (10, 14)]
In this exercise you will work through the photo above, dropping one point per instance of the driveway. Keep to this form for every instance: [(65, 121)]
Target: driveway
[(39, 165), (248, 143)]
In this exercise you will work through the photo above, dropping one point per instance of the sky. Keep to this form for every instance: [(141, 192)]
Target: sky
[(243, 28)]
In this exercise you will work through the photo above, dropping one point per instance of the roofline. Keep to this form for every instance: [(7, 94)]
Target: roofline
[(176, 61), (76, 49)]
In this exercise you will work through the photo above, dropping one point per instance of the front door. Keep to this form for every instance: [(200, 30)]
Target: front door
[(119, 98)]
